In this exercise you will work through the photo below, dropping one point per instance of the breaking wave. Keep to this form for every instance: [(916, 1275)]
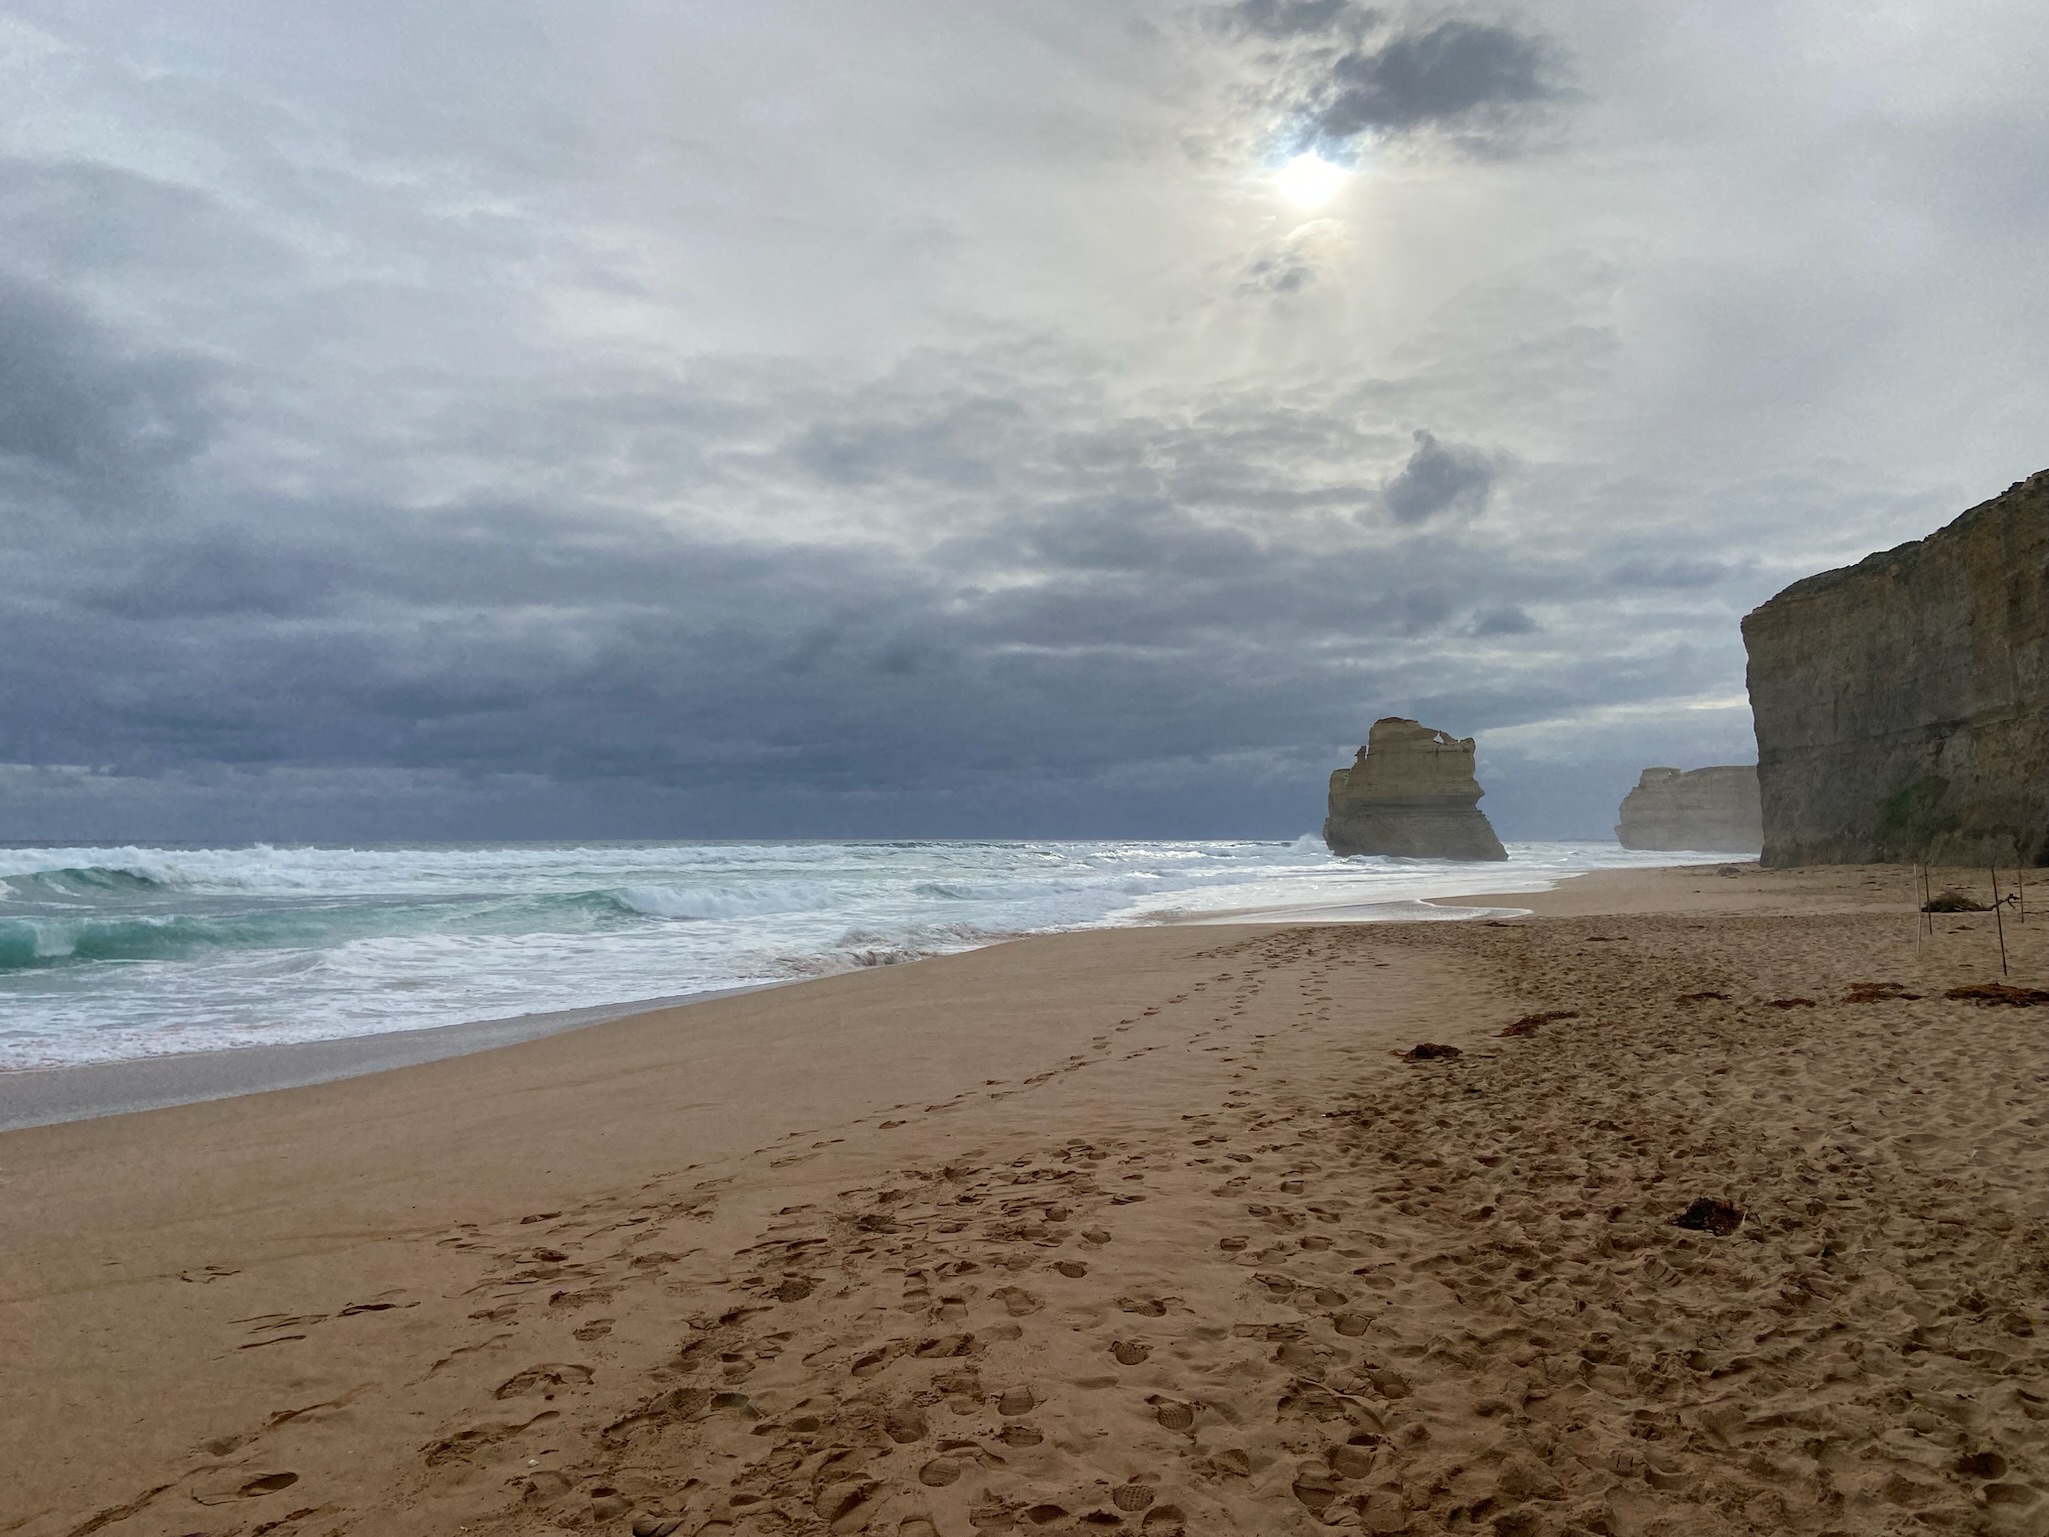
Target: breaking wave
[(110, 952)]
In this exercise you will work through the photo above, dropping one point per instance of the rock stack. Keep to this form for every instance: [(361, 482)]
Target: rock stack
[(1410, 793), (1902, 704), (1707, 808)]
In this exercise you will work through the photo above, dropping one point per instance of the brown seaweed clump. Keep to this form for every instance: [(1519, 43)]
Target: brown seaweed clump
[(1992, 994), (1878, 992), (1707, 1215), (1954, 902)]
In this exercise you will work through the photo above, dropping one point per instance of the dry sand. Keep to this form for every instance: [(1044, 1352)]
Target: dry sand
[(1141, 1231)]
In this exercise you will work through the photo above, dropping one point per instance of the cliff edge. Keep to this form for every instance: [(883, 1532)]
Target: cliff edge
[(1706, 808), (1902, 704), (1410, 793)]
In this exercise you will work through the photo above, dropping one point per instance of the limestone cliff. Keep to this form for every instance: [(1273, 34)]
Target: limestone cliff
[(1707, 808), (1410, 793), (1902, 704)]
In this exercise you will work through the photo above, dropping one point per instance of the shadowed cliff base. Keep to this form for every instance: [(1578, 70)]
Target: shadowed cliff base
[(1410, 794), (1902, 704)]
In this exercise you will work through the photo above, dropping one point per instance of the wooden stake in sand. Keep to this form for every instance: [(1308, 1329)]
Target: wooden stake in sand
[(1919, 916), (1999, 917)]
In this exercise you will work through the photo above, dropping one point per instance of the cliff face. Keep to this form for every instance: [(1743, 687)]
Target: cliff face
[(1902, 704), (1709, 808), (1410, 793)]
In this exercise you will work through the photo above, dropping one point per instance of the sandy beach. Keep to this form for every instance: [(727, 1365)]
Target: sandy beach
[(1740, 1227)]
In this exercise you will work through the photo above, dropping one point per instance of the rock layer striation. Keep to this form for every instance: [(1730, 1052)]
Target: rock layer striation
[(1410, 793), (1706, 808), (1902, 704)]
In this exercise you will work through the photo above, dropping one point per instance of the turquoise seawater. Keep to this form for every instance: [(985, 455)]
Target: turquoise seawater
[(109, 953)]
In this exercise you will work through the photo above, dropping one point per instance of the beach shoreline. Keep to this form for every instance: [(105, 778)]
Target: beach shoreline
[(50, 1096), (45, 1096), (1151, 1228)]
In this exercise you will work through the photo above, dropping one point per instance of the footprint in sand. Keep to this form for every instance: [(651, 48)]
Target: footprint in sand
[(906, 1425), (544, 1379), (1134, 1496), (1173, 1415)]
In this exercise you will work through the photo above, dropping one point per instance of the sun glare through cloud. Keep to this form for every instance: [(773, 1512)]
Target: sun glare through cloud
[(1310, 181)]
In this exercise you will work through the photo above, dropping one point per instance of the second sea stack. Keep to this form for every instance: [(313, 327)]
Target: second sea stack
[(1410, 793), (1706, 808)]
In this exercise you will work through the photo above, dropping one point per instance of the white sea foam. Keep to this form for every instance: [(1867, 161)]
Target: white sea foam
[(108, 953), (728, 901)]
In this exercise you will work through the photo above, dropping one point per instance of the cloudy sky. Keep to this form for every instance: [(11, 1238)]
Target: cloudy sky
[(902, 417)]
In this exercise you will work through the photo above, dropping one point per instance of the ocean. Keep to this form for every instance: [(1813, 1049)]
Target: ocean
[(108, 954)]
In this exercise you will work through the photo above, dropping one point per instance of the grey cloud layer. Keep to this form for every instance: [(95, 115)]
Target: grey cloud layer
[(77, 408), (709, 433), (1438, 478), (1455, 71), (1352, 73), (1119, 592)]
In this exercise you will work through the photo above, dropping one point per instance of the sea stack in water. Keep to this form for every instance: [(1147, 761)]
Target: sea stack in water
[(1707, 808), (1902, 704), (1410, 793)]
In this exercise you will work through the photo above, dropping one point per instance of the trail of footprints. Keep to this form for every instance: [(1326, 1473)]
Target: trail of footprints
[(1371, 1322), (1393, 1333), (965, 1348), (574, 1276), (974, 1349)]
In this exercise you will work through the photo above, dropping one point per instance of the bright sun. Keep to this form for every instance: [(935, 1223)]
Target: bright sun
[(1310, 181)]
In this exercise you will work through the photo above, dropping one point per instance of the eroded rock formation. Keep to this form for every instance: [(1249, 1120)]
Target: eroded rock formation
[(1902, 704), (1410, 793), (1706, 808)]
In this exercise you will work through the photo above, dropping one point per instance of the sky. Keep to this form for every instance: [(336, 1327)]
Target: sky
[(912, 419)]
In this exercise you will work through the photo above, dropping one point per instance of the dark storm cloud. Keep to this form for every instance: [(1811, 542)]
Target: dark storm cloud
[(76, 405), (1075, 632), (1458, 75), (1439, 477), (1150, 538)]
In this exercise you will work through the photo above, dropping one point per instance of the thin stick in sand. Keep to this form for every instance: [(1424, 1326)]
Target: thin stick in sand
[(1919, 916), (1999, 917), (2020, 880)]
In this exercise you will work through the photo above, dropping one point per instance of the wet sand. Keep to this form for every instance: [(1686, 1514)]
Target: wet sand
[(47, 1096), (1149, 1230)]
